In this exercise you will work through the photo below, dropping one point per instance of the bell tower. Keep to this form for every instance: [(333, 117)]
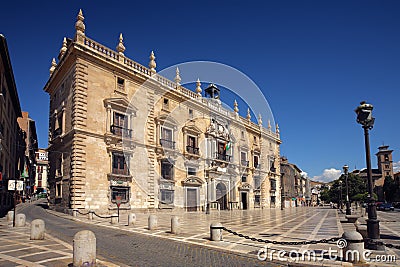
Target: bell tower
[(385, 161), (212, 92)]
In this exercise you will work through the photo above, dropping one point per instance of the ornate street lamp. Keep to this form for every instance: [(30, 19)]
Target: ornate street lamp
[(346, 175), (364, 117)]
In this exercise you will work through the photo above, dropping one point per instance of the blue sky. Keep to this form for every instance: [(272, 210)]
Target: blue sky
[(314, 61)]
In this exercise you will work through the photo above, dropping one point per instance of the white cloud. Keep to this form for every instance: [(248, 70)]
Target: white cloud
[(396, 167), (304, 174), (328, 175)]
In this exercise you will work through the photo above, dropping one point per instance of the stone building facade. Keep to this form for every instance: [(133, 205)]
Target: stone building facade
[(41, 171), (294, 184), (28, 174), (12, 145), (119, 131)]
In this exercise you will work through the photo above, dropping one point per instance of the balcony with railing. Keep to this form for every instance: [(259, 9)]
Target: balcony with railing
[(167, 143), (57, 132), (118, 171), (192, 150), (121, 131), (223, 157)]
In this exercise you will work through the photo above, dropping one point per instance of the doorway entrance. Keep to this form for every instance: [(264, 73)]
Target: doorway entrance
[(191, 199), (245, 204), (221, 196)]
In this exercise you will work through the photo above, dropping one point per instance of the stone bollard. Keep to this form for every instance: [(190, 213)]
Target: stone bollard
[(175, 225), (90, 215), (74, 213), (216, 232), (37, 229), (84, 251), (20, 220), (131, 219), (114, 218), (10, 216), (353, 249), (152, 222)]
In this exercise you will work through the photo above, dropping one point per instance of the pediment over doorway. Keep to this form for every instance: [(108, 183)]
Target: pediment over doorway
[(193, 181)]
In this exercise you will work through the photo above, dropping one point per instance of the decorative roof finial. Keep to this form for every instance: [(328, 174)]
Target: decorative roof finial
[(198, 87), (63, 49), (120, 46), (248, 114), (259, 119), (235, 107), (269, 125), (152, 63), (277, 129), (53, 66), (177, 78), (79, 25)]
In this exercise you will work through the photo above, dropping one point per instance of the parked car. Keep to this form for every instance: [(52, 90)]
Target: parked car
[(385, 206)]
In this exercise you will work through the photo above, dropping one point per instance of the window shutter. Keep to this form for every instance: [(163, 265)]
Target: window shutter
[(213, 148)]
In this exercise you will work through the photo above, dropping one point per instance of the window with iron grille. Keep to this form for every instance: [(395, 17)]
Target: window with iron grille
[(167, 196), (121, 191), (119, 165), (167, 170)]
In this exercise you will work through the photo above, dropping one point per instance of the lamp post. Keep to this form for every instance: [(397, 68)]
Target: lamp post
[(364, 117), (340, 195), (346, 175)]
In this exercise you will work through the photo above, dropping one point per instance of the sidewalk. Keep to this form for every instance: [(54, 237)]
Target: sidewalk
[(16, 248)]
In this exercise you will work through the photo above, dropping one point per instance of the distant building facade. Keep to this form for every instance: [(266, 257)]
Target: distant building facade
[(28, 126), (119, 131), (12, 144), (294, 184), (41, 171)]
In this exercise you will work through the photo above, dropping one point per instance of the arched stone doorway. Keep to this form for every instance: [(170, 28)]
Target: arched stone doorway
[(221, 196)]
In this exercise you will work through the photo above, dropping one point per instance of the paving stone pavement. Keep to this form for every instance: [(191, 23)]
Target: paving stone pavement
[(16, 249), (295, 224)]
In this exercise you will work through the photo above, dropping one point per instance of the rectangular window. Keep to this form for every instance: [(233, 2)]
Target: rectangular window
[(243, 159), (257, 182), (59, 165), (120, 84), (191, 113), (167, 170), (191, 171), (166, 103), (167, 196), (120, 191), (273, 185), (242, 134), (192, 145), (58, 190), (167, 138), (119, 165), (255, 161), (120, 125), (272, 166), (244, 178)]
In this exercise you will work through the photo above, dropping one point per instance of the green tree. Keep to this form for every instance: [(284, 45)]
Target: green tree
[(357, 189)]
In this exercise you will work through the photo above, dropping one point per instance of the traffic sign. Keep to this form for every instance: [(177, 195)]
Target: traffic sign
[(11, 185)]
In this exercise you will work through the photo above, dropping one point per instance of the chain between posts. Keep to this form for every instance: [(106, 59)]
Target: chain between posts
[(102, 217), (290, 243), (380, 243), (82, 213)]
